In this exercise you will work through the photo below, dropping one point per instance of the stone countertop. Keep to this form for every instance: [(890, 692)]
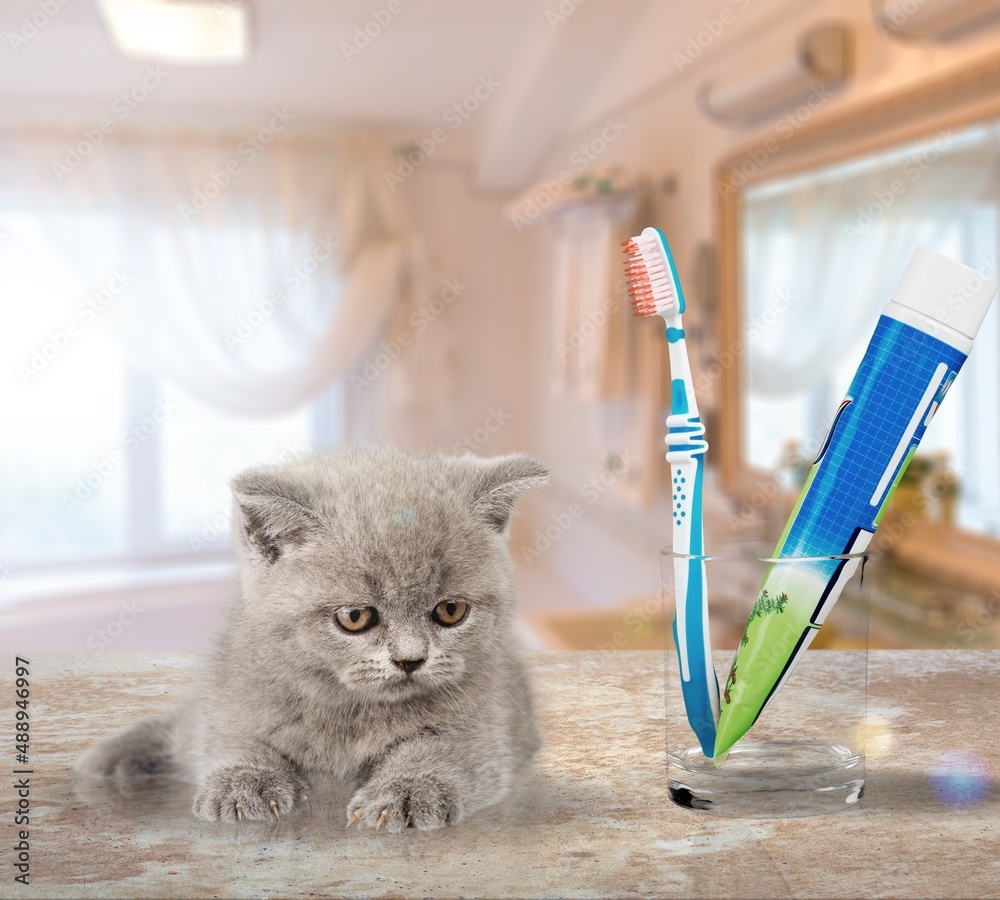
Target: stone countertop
[(590, 819)]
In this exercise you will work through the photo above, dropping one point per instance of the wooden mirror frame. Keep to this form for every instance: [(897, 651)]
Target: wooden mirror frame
[(956, 100)]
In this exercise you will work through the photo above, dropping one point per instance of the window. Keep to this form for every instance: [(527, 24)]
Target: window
[(838, 231), (98, 462)]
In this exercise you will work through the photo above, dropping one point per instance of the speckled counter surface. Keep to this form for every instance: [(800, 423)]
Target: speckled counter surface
[(591, 819)]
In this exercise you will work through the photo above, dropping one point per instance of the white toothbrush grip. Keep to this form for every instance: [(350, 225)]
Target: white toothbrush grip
[(680, 365), (683, 475)]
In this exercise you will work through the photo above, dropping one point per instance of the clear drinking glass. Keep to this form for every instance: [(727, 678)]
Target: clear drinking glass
[(804, 754)]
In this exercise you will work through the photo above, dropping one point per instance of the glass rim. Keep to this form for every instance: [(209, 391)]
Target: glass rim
[(730, 554)]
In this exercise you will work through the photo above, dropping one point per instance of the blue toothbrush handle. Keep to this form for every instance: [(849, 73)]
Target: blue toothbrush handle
[(699, 683)]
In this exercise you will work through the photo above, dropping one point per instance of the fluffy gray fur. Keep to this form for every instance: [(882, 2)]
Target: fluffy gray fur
[(289, 692)]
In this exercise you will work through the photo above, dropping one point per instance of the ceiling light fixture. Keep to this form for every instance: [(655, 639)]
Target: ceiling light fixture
[(178, 31)]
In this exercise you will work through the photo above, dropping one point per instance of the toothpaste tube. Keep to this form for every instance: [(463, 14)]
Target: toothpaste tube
[(921, 341)]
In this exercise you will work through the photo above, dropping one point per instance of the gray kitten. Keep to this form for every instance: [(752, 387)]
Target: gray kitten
[(371, 640)]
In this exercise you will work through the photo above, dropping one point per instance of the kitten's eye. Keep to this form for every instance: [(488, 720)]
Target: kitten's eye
[(356, 618), (450, 612)]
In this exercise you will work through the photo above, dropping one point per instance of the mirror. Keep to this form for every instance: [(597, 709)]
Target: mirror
[(814, 235)]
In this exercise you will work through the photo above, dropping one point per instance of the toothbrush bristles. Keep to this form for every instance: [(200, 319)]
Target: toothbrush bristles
[(648, 281)]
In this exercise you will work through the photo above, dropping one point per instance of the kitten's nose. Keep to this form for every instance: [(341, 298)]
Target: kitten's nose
[(408, 665)]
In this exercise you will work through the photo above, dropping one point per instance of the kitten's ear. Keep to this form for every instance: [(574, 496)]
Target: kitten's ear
[(498, 482), (276, 512)]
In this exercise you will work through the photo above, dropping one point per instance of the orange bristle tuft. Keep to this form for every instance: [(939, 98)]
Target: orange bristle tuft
[(637, 280)]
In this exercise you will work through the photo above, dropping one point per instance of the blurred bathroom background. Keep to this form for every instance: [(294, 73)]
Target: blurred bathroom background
[(234, 232)]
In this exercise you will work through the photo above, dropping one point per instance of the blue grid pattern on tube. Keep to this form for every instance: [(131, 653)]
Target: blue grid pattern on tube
[(885, 393)]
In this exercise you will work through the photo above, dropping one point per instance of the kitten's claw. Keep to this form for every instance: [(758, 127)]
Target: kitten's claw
[(394, 805), (355, 817), (244, 793)]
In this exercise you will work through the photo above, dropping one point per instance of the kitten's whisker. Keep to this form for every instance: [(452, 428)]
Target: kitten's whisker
[(510, 697), (527, 718), (450, 703), (474, 705)]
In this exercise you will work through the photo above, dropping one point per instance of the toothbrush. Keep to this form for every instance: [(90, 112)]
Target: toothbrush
[(656, 290), (921, 341)]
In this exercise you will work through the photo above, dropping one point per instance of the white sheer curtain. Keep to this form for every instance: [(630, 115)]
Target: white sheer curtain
[(254, 279), (609, 363), (823, 252)]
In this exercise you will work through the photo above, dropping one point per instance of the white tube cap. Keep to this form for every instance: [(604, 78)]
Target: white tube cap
[(942, 289)]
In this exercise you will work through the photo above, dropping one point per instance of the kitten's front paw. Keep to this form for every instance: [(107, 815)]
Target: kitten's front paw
[(234, 793), (393, 804)]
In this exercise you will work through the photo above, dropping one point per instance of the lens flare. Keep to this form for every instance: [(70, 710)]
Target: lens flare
[(875, 737), (960, 779)]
